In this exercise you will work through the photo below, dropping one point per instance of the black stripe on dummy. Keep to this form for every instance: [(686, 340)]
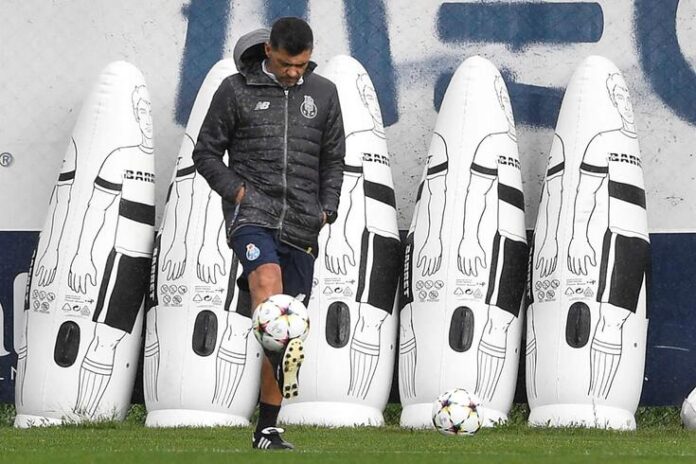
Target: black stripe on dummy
[(437, 169), (627, 192), (169, 192), (362, 269), (66, 176), (27, 290), (152, 299), (408, 272), (604, 265), (420, 191), (591, 169), (380, 192), (108, 269), (138, 212), (511, 195), (484, 171), (186, 171), (555, 169), (352, 169), (492, 282), (106, 185)]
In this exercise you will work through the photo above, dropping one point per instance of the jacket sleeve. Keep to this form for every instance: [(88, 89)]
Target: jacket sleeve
[(333, 150), (213, 141)]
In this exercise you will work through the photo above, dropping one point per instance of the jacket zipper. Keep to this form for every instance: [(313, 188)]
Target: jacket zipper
[(285, 164)]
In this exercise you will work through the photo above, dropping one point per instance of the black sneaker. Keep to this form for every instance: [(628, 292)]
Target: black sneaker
[(269, 438)]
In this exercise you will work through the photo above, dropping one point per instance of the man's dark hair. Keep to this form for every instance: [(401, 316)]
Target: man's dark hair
[(292, 35)]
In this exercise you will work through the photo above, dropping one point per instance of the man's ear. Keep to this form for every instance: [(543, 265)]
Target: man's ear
[(267, 49)]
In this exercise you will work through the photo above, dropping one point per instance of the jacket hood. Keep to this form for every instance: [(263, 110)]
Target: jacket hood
[(249, 52), (250, 49)]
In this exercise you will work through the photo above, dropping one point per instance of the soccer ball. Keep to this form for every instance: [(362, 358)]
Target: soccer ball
[(688, 411), (278, 320), (456, 413)]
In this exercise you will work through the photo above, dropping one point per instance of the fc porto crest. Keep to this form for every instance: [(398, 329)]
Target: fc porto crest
[(252, 252), (308, 108)]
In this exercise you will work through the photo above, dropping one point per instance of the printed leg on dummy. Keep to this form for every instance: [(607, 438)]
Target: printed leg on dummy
[(491, 352), (605, 351), (96, 369), (407, 352), (364, 349)]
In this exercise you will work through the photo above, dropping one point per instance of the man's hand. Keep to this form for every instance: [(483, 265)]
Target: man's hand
[(339, 254), (175, 261), (46, 269), (240, 195), (546, 263), (81, 270), (470, 257), (430, 256), (209, 260), (580, 252)]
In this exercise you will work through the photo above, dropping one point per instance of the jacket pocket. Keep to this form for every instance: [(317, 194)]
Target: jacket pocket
[(320, 214), (230, 212)]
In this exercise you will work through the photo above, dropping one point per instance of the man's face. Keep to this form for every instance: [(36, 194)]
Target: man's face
[(622, 101), (370, 98), (144, 117), (507, 108), (286, 68)]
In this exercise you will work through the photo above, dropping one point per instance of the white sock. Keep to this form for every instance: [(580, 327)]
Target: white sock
[(151, 370), (490, 365), (94, 378), (228, 374), (604, 362), (363, 364), (407, 367), (531, 365), (21, 371)]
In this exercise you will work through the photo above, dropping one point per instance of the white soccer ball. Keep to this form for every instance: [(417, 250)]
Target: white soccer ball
[(278, 320), (456, 412), (688, 411)]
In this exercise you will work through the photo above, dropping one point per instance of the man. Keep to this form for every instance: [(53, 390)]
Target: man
[(282, 128)]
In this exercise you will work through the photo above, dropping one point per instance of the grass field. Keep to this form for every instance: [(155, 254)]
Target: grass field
[(659, 439)]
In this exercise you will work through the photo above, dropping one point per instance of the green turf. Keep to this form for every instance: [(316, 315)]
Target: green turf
[(659, 439)]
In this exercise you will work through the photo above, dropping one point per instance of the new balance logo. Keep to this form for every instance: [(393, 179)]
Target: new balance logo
[(262, 106)]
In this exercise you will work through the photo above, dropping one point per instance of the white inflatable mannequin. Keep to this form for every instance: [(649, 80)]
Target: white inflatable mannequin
[(346, 376), (78, 354), (587, 322), (466, 254), (201, 368)]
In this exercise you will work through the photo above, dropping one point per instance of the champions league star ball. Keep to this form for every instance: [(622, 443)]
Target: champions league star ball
[(688, 411), (456, 413), (278, 320)]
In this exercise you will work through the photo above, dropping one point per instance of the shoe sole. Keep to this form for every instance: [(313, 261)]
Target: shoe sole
[(292, 360)]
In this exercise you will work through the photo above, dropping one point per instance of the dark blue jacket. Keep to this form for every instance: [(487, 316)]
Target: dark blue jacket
[(285, 146)]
